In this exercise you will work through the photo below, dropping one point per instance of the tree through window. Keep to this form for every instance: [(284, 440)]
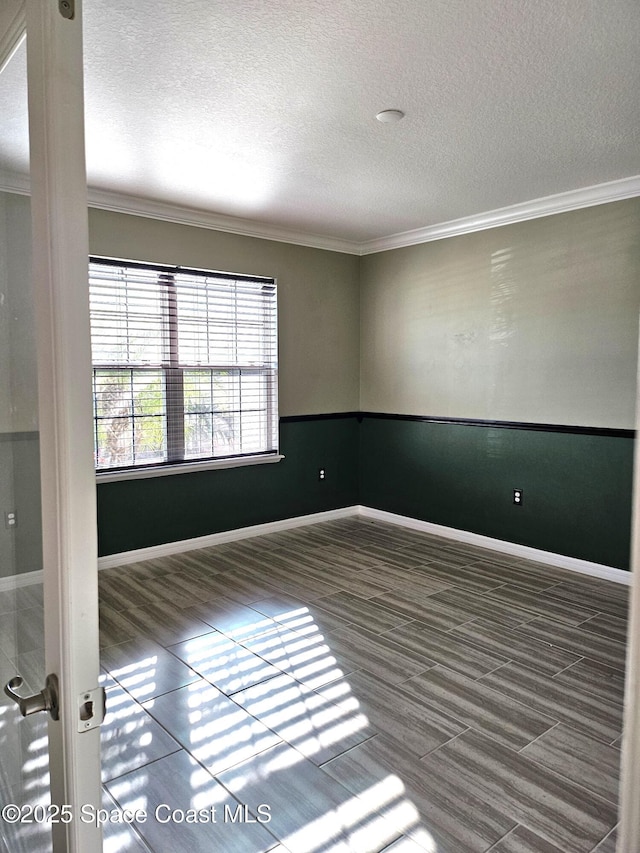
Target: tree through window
[(184, 364)]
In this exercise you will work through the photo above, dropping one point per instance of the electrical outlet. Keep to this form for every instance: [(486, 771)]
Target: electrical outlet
[(10, 519), (518, 497), (322, 474)]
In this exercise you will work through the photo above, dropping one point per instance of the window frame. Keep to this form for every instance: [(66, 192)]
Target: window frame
[(172, 371)]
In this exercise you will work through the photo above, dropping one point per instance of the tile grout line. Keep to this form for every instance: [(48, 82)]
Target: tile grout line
[(568, 778), (505, 836), (604, 838), (537, 738), (388, 543)]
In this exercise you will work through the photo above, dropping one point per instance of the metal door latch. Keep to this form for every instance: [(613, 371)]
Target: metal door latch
[(46, 700), (92, 707)]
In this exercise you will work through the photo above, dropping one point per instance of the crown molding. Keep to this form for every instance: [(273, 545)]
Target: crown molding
[(136, 206), (534, 209), (13, 30), (12, 182), (180, 215)]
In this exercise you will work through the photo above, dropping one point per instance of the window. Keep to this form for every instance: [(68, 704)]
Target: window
[(184, 365)]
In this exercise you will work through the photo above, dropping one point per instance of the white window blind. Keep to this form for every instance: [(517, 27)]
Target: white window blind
[(184, 364)]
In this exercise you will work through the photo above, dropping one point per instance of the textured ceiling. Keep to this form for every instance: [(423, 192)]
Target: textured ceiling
[(266, 110)]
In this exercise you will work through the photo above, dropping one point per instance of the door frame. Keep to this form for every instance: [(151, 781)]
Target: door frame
[(60, 250), (628, 840)]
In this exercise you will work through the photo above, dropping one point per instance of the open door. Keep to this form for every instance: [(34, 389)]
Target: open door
[(52, 706), (629, 827)]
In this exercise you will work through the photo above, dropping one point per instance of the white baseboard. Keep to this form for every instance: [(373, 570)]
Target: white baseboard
[(155, 551), (511, 548), (15, 581), (559, 561)]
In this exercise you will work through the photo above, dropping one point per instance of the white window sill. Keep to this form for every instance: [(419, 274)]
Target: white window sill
[(184, 468)]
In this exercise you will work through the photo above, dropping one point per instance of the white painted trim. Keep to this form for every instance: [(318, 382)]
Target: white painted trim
[(155, 551), (12, 30), (12, 182), (511, 548), (184, 468), (502, 546), (135, 206), (60, 240), (629, 800), (181, 215), (534, 209), (559, 561), (12, 582)]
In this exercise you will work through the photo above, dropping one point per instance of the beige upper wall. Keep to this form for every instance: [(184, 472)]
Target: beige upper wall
[(18, 368), (536, 321), (5, 324), (318, 296)]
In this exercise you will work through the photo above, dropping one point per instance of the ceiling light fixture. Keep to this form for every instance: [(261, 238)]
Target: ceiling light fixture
[(387, 116)]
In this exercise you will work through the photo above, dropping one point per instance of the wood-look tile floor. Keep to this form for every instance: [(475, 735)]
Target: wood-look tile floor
[(367, 688)]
